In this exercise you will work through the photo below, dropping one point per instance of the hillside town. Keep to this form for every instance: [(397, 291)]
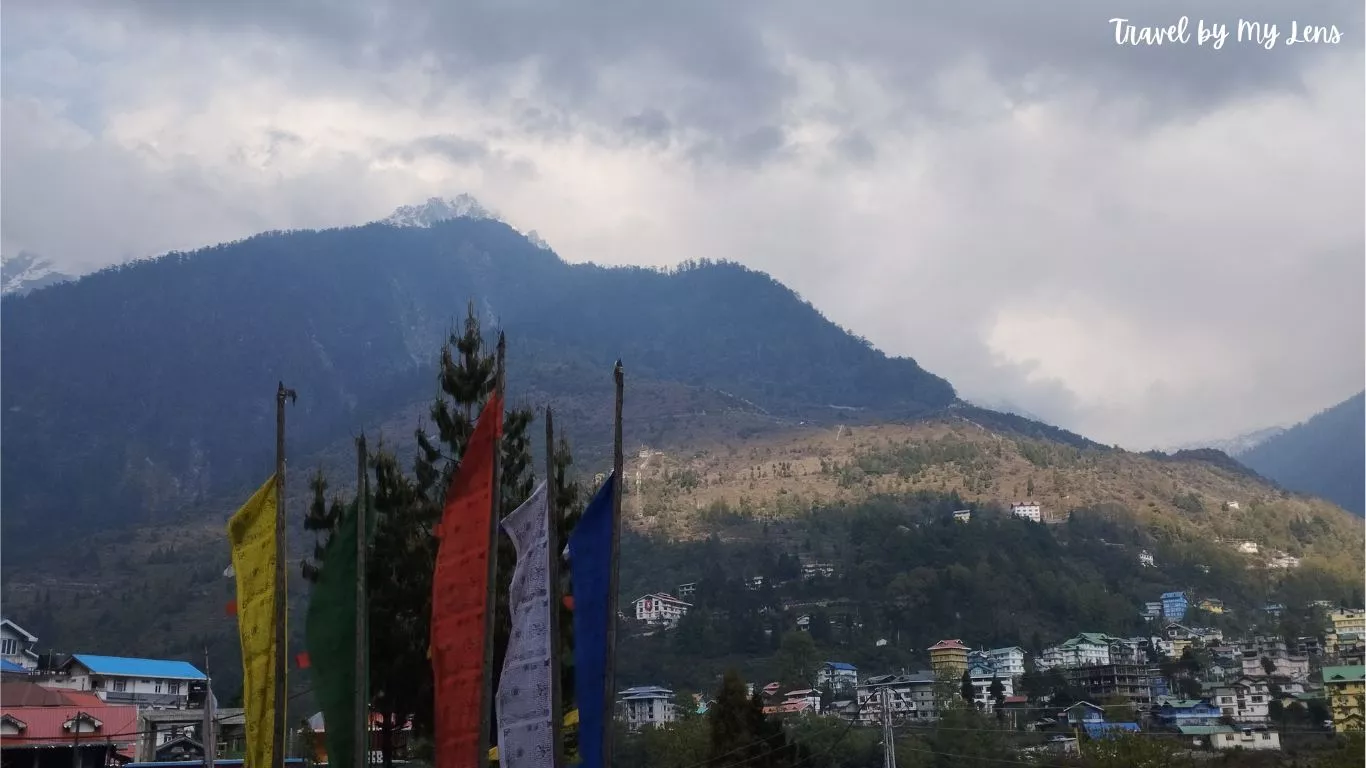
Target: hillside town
[(1192, 684)]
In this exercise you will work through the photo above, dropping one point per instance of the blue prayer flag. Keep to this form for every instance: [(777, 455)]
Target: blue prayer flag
[(590, 568)]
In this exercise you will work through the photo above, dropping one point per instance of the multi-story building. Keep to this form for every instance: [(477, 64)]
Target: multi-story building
[(1348, 627), (650, 705), (1174, 605), (1029, 510), (16, 646), (1152, 611), (962, 516), (837, 676), (148, 683), (1346, 689), (1274, 651), (1009, 662), (660, 609), (911, 697), (1246, 700), (949, 657), (1145, 559), (1097, 682), (1086, 649), (1210, 605), (981, 688)]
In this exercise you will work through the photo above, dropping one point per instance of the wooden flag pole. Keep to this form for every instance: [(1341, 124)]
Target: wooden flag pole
[(618, 460), (486, 703), (362, 710), (277, 756), (553, 592)]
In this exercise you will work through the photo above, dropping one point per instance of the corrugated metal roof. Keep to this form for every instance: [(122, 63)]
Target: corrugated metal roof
[(45, 725), (8, 666), (25, 694), (842, 666), (1346, 674), (118, 666)]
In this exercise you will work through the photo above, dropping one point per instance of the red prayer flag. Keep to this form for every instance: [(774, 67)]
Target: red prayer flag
[(231, 608), (460, 596), (569, 602), (301, 660)]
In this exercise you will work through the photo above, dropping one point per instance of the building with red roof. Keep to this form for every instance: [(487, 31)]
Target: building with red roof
[(40, 728)]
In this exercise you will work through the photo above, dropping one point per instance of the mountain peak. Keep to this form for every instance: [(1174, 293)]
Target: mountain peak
[(27, 272), (436, 210)]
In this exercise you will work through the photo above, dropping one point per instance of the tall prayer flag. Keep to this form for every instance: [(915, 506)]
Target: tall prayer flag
[(252, 534), (590, 567), (331, 634), (460, 596), (526, 727)]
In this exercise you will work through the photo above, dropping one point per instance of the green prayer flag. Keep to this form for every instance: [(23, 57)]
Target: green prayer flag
[(331, 634)]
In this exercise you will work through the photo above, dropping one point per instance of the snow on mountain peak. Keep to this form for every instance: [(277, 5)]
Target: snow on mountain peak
[(437, 209), (27, 272)]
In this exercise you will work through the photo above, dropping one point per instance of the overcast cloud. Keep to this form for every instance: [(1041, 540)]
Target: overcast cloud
[(1147, 245)]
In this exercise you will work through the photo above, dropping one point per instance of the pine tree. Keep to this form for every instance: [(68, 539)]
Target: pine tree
[(965, 688), (998, 697)]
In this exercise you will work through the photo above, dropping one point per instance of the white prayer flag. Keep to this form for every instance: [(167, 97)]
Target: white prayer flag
[(525, 723)]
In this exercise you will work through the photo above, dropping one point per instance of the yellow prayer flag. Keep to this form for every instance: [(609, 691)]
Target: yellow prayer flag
[(252, 534)]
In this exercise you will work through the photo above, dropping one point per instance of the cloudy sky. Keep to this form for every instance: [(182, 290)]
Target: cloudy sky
[(1149, 245)]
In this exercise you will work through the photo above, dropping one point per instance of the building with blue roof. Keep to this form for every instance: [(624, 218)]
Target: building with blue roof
[(153, 683), (837, 676), (1105, 730)]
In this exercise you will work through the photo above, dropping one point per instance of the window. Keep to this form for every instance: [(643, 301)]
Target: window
[(173, 688), (120, 686), (157, 688), (9, 646)]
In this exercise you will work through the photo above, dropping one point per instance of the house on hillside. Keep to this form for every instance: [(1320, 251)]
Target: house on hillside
[(1210, 605), (1029, 510), (948, 657), (1010, 662), (1084, 712), (1245, 700), (1152, 610), (16, 647), (1145, 559), (1225, 737), (962, 515), (1346, 689), (1174, 713), (1174, 605), (910, 698), (1086, 649), (659, 609), (838, 676), (817, 571), (687, 590), (149, 683), (646, 705)]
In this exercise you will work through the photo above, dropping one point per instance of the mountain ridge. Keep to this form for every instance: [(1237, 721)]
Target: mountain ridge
[(1324, 455)]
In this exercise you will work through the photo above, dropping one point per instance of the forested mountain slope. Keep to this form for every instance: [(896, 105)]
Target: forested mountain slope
[(1324, 456)]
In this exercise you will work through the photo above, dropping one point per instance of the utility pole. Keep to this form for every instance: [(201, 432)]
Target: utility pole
[(208, 737), (362, 710), (280, 726), (888, 737)]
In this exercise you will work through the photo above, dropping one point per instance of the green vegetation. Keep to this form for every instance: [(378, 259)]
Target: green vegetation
[(1325, 456), (907, 574)]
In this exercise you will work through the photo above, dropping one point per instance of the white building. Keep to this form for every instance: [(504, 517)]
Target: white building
[(1246, 700), (1085, 650), (1029, 510), (1284, 561), (962, 515), (148, 683), (1009, 662), (1145, 559), (837, 675), (817, 570), (687, 590), (981, 690), (16, 645), (649, 705), (660, 609), (1248, 547)]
